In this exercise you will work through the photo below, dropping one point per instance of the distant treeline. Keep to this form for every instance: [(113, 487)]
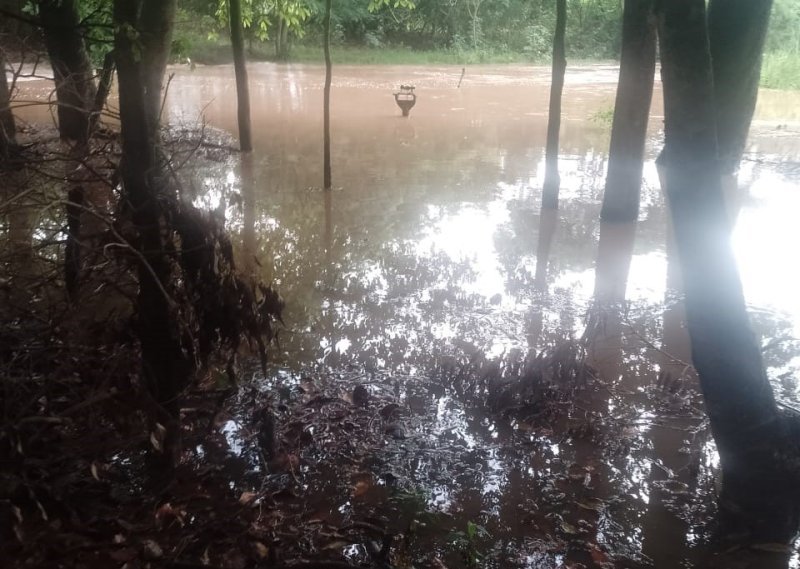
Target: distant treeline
[(522, 28)]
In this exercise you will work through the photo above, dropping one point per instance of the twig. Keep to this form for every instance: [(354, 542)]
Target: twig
[(123, 244), (164, 98)]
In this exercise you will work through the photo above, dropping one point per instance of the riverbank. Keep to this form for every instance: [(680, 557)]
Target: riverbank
[(781, 70)]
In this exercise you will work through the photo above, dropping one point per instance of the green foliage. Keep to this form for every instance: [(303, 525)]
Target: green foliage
[(198, 35), (781, 70), (355, 55), (603, 116), (436, 31), (467, 542), (784, 27), (375, 5), (258, 16)]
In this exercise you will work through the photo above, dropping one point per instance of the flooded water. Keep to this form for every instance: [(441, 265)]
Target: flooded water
[(432, 244), (433, 230), (431, 248)]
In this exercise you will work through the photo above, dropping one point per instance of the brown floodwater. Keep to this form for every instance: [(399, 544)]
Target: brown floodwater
[(434, 224), (432, 243), (432, 246)]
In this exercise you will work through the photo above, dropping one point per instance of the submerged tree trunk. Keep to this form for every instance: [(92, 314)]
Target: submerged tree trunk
[(72, 69), (746, 424), (140, 67), (75, 94), (737, 30), (552, 180), (326, 104), (631, 112), (240, 67)]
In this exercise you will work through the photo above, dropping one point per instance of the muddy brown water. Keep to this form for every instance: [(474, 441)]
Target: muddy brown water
[(432, 244)]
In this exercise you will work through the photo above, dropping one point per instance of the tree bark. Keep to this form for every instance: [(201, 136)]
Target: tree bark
[(72, 70), (240, 68), (741, 407), (165, 366), (552, 180), (737, 30), (155, 27), (103, 89), (631, 113), (282, 40), (8, 127), (326, 104), (75, 93)]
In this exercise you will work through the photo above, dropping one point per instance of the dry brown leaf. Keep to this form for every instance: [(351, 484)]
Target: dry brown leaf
[(360, 488), (261, 550), (247, 498)]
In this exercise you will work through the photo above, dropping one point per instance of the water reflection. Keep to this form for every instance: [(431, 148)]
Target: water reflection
[(433, 244)]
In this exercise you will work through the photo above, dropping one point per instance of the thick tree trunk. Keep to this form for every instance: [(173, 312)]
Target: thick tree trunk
[(552, 180), (326, 104), (240, 67), (741, 407), (737, 30), (631, 112), (72, 70), (165, 366)]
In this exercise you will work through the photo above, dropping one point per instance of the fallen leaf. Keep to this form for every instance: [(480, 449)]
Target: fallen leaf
[(261, 550), (152, 550), (568, 528), (155, 442), (360, 488), (95, 474), (247, 498), (593, 504), (41, 510), (166, 514)]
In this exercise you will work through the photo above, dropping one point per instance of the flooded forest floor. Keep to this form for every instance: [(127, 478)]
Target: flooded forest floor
[(460, 380)]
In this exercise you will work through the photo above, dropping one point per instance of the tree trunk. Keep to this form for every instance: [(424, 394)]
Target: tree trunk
[(737, 30), (631, 112), (552, 180), (140, 67), (72, 70), (75, 93), (285, 41), (8, 127), (103, 89), (240, 67), (278, 26), (741, 407), (326, 104)]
